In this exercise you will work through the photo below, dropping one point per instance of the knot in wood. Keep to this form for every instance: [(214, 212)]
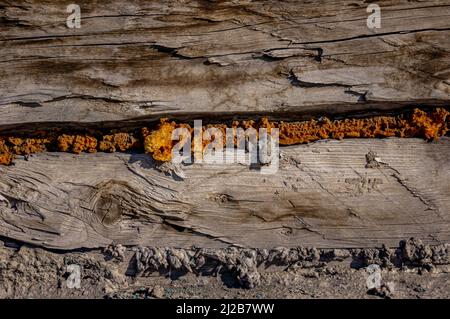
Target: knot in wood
[(108, 205)]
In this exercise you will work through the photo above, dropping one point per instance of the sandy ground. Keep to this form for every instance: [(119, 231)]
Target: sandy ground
[(412, 270)]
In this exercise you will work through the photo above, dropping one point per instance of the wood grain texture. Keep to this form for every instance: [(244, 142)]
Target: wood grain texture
[(141, 59), (323, 196)]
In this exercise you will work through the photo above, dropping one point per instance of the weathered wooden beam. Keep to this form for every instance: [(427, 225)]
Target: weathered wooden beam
[(142, 59), (327, 194)]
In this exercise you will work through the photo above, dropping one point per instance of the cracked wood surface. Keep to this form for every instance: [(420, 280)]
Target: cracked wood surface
[(324, 195), (140, 59)]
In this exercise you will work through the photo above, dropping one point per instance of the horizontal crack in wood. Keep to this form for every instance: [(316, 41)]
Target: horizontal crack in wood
[(158, 140)]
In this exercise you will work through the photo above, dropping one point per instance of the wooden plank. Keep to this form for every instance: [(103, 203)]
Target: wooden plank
[(323, 195), (143, 59)]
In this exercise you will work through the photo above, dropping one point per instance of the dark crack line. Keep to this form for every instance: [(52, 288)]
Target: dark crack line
[(372, 36), (414, 192)]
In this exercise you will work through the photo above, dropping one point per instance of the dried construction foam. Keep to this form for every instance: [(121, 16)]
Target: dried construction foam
[(158, 142), (419, 124)]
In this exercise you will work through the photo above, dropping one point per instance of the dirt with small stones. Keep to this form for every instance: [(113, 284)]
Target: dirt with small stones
[(412, 270)]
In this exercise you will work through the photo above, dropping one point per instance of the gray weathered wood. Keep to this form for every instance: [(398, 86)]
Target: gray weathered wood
[(323, 196), (141, 59)]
